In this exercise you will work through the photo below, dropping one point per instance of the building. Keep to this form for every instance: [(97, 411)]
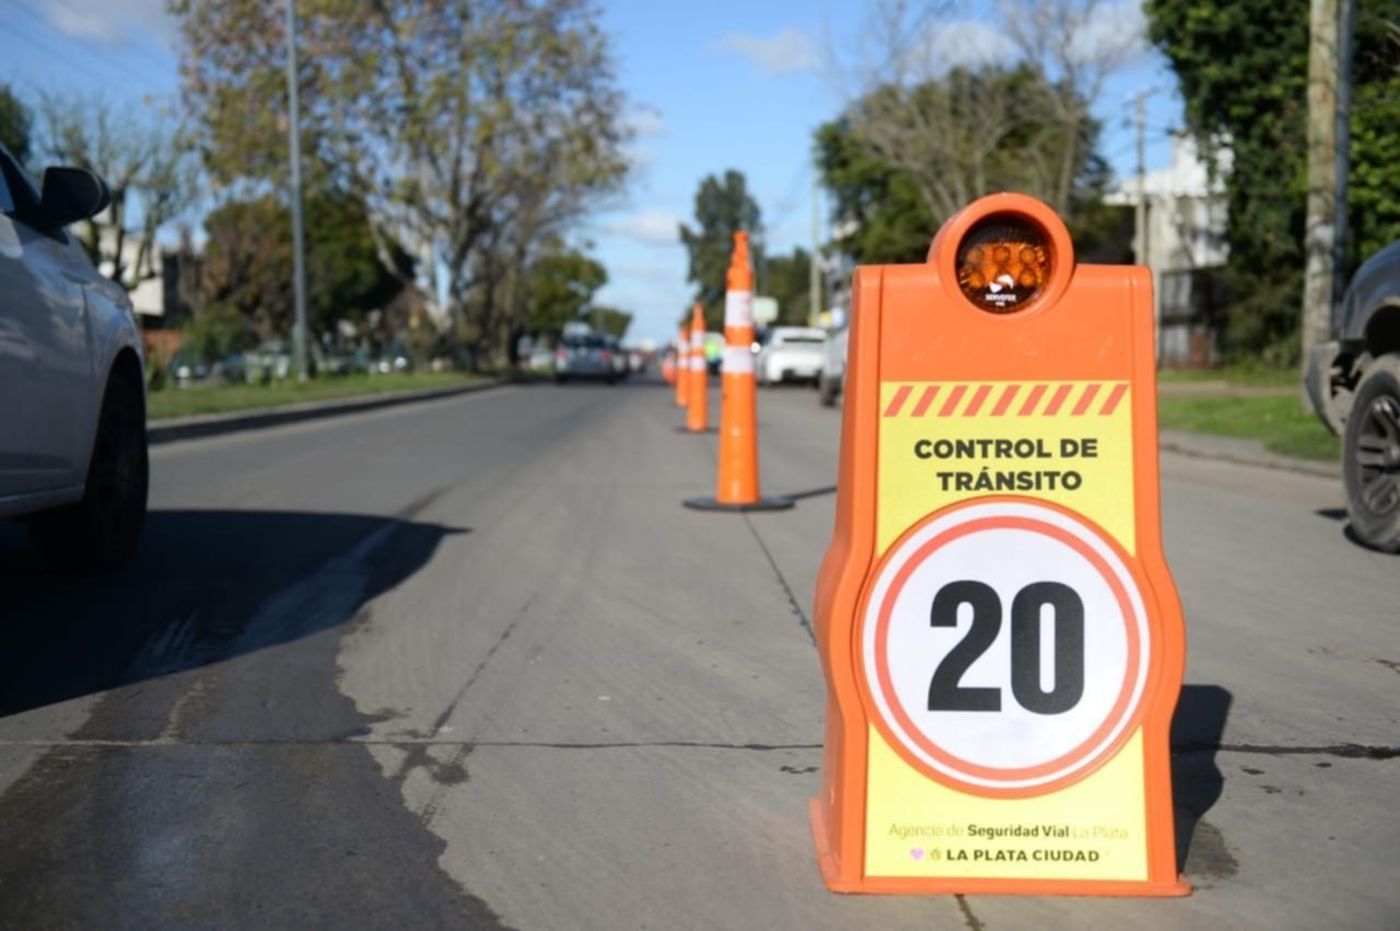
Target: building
[(1186, 214)]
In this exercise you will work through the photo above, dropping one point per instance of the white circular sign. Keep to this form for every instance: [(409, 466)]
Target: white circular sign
[(1005, 645)]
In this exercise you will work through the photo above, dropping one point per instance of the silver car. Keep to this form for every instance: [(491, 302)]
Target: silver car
[(73, 421), (585, 355)]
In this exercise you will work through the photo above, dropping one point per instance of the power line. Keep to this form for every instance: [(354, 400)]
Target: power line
[(67, 59), (95, 54), (133, 47)]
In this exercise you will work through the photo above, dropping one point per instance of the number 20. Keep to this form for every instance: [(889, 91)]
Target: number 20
[(944, 692)]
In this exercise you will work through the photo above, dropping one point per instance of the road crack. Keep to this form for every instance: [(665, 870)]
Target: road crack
[(802, 620), (1345, 751)]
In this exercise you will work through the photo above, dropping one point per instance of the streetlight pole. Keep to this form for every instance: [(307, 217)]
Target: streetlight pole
[(298, 230)]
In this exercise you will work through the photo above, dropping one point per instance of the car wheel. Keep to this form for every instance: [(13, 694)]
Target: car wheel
[(829, 390), (101, 531), (560, 379), (1371, 456)]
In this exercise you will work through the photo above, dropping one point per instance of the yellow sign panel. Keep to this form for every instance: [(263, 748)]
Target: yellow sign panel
[(945, 443)]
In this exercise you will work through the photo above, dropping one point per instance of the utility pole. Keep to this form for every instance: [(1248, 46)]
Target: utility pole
[(814, 281), (1345, 16), (298, 231), (1140, 215), (1320, 232)]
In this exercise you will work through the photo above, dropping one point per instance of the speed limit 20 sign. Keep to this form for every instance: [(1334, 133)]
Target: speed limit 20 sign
[(1004, 644), (1000, 634)]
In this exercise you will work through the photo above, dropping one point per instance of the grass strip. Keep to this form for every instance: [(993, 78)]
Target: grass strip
[(221, 399), (1279, 423)]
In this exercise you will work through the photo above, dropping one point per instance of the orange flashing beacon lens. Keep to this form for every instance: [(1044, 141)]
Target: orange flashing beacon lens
[(1003, 263)]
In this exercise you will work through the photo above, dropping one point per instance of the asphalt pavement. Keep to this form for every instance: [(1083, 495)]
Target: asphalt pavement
[(469, 664)]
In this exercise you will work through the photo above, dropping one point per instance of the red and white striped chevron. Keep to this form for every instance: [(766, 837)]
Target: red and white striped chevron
[(1007, 399)]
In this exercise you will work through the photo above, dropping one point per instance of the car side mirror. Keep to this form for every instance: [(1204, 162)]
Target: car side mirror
[(70, 195)]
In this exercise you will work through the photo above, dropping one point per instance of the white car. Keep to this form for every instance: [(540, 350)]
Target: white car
[(790, 353), (832, 379), (73, 417)]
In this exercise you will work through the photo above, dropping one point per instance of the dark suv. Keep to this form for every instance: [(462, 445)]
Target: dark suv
[(1354, 385)]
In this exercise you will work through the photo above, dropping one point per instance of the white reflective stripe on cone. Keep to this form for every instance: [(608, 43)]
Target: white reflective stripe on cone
[(738, 308), (697, 362), (738, 360)]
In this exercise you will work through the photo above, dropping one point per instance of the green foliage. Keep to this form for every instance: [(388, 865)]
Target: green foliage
[(900, 161), (248, 264), (609, 320), (723, 206), (888, 223), (16, 124), (786, 277), (217, 331), (561, 287), (1243, 68)]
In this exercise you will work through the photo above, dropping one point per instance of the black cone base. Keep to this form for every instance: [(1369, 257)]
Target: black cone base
[(762, 504)]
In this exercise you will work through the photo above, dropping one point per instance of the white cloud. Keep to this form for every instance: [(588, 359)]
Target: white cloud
[(788, 51), (967, 43), (1115, 30), (652, 227), (110, 23)]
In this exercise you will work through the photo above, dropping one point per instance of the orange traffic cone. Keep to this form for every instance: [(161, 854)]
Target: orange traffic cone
[(682, 366), (697, 418), (737, 485)]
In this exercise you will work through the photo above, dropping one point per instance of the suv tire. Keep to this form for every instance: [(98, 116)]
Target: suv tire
[(101, 531), (1371, 456)]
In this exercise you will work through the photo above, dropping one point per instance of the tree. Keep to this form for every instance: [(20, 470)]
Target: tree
[(894, 179), (474, 129), (561, 287), (1242, 68), (881, 216), (723, 207), (957, 127), (786, 280), (145, 160), (248, 264), (609, 320), (16, 124)]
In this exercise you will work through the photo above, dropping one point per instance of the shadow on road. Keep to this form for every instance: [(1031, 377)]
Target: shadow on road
[(810, 493), (1197, 729), (193, 596)]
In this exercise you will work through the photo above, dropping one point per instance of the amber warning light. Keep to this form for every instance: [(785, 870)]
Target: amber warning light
[(1003, 263)]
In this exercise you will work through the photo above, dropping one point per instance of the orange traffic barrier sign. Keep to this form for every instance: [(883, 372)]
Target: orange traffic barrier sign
[(697, 418), (683, 366), (736, 485), (1001, 637)]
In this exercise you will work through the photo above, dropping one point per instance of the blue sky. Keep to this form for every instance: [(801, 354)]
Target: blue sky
[(715, 85)]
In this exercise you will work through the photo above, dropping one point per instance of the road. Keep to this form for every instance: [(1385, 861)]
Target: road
[(469, 664)]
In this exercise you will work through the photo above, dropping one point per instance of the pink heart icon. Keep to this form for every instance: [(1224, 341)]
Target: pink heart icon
[(917, 853)]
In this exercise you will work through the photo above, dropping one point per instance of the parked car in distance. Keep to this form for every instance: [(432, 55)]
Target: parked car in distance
[(73, 460), (832, 378), (1353, 382), (584, 355), (789, 353)]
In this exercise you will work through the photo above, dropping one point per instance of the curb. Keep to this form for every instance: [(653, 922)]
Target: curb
[(172, 429), (1242, 452)]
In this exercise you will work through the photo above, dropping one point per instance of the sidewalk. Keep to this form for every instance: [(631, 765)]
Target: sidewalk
[(1243, 452)]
